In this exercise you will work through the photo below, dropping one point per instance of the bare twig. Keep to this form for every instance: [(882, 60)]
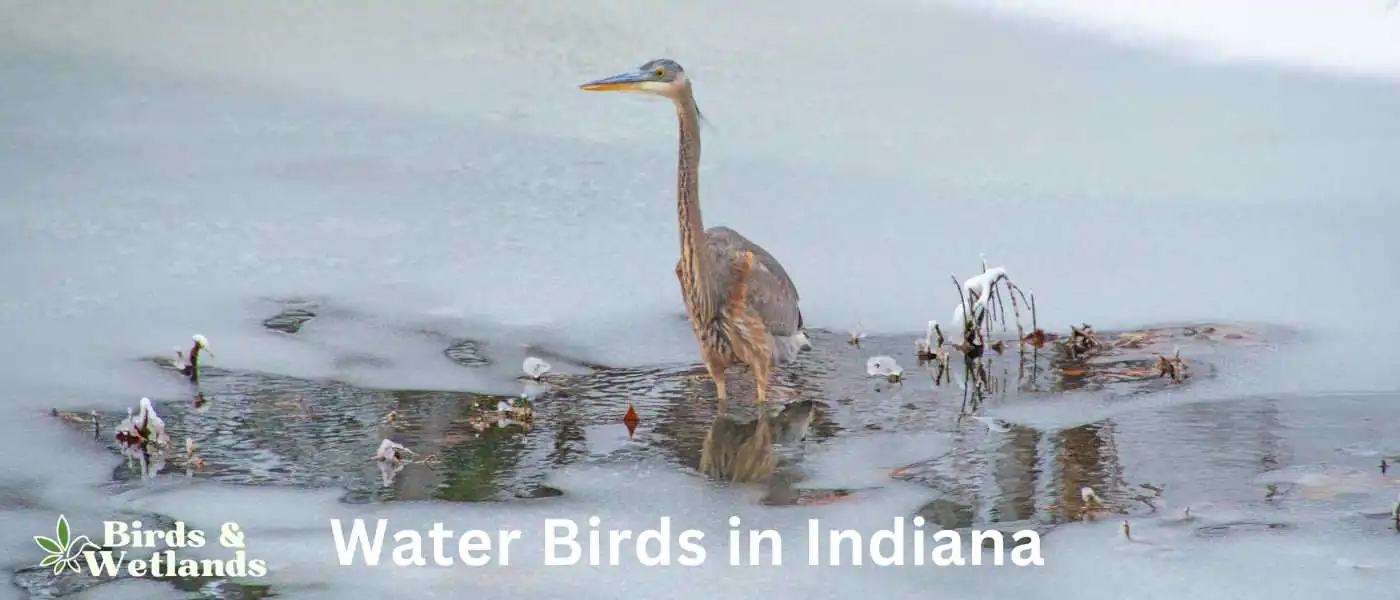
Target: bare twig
[(971, 347), (995, 292), (962, 299), (1034, 325), (1020, 332)]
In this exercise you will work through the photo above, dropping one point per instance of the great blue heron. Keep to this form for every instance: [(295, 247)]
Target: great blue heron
[(741, 303)]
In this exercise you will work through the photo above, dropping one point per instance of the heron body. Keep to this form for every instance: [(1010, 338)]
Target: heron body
[(742, 306)]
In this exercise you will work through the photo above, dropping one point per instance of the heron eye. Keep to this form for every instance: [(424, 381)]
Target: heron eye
[(659, 73)]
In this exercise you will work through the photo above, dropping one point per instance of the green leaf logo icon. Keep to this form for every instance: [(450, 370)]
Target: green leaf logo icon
[(58, 548), (62, 531), (48, 545)]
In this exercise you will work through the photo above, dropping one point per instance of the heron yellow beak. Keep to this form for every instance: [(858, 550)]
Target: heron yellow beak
[(626, 82)]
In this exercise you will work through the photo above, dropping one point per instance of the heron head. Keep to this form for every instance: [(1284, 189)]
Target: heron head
[(660, 77)]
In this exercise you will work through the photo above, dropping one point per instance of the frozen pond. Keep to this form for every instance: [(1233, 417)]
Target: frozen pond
[(371, 211)]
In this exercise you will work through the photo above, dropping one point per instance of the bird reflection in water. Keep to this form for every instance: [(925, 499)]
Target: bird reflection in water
[(742, 452)]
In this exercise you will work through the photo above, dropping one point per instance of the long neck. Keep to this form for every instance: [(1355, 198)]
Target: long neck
[(696, 263)]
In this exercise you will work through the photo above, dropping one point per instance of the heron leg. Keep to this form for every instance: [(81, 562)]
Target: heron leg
[(760, 372), (716, 369), (719, 391)]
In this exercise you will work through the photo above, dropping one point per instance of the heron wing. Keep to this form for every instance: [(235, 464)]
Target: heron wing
[(771, 292)]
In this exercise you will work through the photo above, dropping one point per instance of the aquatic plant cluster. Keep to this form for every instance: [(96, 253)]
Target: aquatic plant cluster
[(980, 309), (189, 367), (988, 294), (393, 457), (142, 438)]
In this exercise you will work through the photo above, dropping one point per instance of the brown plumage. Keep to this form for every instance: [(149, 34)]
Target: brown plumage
[(744, 327), (740, 301)]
